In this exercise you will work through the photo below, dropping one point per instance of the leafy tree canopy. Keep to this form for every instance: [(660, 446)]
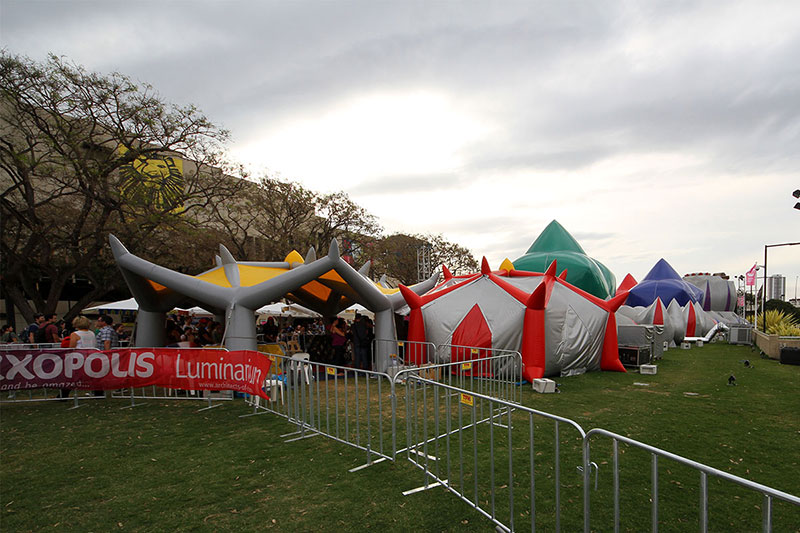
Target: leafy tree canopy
[(83, 155)]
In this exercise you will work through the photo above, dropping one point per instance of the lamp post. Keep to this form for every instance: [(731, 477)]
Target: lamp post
[(741, 288), (764, 292), (755, 299)]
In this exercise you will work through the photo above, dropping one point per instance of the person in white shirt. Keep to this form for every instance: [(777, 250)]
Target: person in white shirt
[(82, 337)]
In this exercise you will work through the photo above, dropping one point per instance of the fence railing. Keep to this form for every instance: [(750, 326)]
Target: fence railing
[(504, 383), (501, 458), (352, 406), (30, 346), (43, 394), (163, 393), (48, 395), (403, 353), (462, 423), (768, 494)]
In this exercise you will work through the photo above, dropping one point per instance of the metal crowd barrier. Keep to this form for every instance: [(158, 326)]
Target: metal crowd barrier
[(77, 395), (48, 394), (29, 346), (462, 423), (164, 393), (501, 458), (348, 405), (404, 353), (768, 494), (502, 381)]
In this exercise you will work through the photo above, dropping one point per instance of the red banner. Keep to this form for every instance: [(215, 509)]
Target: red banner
[(173, 368)]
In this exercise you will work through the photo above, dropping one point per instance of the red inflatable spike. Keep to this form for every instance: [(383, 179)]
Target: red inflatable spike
[(538, 296), (563, 275), (412, 299), (627, 284), (485, 270), (691, 322), (447, 274), (658, 318), (617, 301), (551, 270)]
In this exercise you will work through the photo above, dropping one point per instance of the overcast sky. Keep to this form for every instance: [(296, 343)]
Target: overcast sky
[(667, 129)]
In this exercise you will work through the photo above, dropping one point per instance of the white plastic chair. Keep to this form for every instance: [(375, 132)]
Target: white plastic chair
[(302, 357), (272, 383)]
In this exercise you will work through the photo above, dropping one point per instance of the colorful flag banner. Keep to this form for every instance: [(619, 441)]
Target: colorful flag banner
[(750, 277)]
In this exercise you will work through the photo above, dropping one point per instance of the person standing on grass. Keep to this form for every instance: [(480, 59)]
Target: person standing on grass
[(9, 336), (361, 343), (51, 335), (82, 337), (29, 335), (107, 338), (339, 341)]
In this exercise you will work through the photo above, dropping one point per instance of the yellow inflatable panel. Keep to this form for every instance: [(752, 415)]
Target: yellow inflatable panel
[(248, 275), (294, 257), (216, 276), (253, 275)]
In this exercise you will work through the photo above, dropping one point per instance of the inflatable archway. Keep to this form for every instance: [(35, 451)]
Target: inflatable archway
[(327, 285)]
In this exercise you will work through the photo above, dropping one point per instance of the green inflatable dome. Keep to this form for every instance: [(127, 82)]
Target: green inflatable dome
[(582, 271)]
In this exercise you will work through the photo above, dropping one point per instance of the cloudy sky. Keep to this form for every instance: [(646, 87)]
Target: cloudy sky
[(667, 129)]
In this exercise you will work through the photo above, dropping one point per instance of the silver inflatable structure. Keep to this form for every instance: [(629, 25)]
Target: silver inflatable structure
[(158, 289)]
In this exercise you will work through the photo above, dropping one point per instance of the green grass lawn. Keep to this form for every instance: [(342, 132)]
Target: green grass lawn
[(163, 466)]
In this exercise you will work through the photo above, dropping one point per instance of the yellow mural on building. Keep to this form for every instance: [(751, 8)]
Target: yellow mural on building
[(153, 180)]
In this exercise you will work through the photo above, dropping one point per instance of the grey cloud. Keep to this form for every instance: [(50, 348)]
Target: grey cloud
[(593, 236), (405, 184)]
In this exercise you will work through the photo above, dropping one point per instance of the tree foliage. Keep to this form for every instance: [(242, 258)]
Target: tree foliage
[(83, 155), (396, 255), (273, 217), (785, 307)]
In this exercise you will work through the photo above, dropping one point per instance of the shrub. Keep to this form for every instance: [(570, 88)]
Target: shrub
[(778, 323)]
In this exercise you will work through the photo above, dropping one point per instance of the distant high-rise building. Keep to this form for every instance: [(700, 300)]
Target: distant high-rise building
[(776, 287)]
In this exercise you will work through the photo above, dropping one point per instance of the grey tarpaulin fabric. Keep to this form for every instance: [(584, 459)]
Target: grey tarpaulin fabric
[(676, 316), (719, 293), (574, 325), (729, 318), (636, 335), (703, 321), (647, 316)]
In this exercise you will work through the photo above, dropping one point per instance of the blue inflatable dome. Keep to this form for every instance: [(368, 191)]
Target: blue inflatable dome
[(663, 282)]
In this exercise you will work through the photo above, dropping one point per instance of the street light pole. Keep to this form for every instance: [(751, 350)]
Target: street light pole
[(764, 293), (755, 301)]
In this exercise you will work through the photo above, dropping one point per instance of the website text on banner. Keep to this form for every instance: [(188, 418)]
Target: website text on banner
[(189, 369)]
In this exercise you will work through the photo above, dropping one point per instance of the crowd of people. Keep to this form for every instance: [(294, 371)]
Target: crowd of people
[(331, 341), (336, 341), (188, 332), (49, 329)]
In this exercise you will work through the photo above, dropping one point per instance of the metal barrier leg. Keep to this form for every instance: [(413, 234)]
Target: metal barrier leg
[(75, 401), (210, 406), (133, 401)]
